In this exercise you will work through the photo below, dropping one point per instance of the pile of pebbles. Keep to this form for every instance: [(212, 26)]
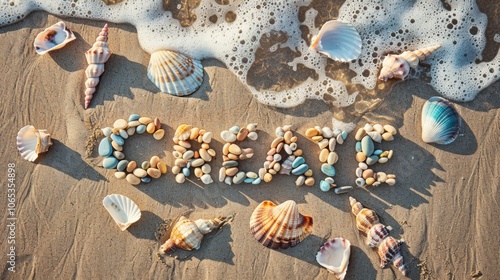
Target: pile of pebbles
[(186, 157), (327, 139), (230, 172), (367, 155), (111, 148), (284, 146)]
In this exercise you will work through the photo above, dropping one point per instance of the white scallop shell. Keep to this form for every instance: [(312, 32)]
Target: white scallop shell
[(334, 256), (31, 142), (175, 73), (122, 209), (338, 40), (53, 38)]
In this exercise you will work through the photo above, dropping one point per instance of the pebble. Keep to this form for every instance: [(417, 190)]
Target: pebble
[(277, 157), (118, 139), (377, 152), (231, 171), (120, 174), (239, 177), (298, 161), (309, 182), (375, 136), (317, 138), (378, 128), (107, 131), (370, 181), (252, 127), (262, 172), (368, 127), (123, 134), (363, 165), (360, 182), (300, 181), (301, 169), (323, 155), (344, 135), (298, 152), (145, 165), (207, 137), (188, 154), (120, 124), (180, 178), (390, 182), (198, 172), (251, 174), (279, 132), (391, 176), (158, 135), (248, 180), (154, 173), (381, 177), (276, 141), (288, 149), (153, 162), (222, 174), (186, 171), (242, 134), (162, 166), (272, 171), (195, 132), (122, 165), (387, 136), (330, 180), (230, 163), (391, 129), (140, 129), (331, 144), (323, 143), (333, 157), (311, 132), (308, 173), (146, 179), (139, 172), (235, 149), (131, 166), (211, 152), (359, 172), (287, 127), (109, 162), (288, 137), (253, 135), (116, 146), (389, 156), (383, 160), (358, 146), (105, 148), (151, 128), (206, 168), (360, 134), (157, 123), (228, 136), (371, 160), (336, 132), (344, 189), (327, 169), (176, 169), (367, 173), (234, 129), (360, 157), (228, 181), (206, 179), (134, 124), (119, 155), (324, 186), (197, 162), (367, 146), (145, 120), (180, 162), (132, 179), (279, 147), (268, 177), (327, 132), (340, 140), (131, 131)]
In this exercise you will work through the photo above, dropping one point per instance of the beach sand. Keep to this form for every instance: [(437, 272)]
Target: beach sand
[(444, 205)]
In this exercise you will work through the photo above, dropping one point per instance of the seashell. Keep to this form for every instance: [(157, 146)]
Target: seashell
[(122, 209), (175, 73), (440, 121), (338, 40), (375, 136), (334, 256), (389, 251), (279, 226), (182, 132), (398, 66), (32, 141), (96, 57), (365, 218), (187, 234), (376, 234), (53, 38)]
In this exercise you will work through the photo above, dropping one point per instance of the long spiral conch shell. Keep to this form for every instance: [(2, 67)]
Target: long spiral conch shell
[(368, 222), (96, 57), (398, 66), (389, 251)]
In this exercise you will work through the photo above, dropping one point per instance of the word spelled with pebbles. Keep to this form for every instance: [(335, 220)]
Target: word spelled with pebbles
[(111, 148)]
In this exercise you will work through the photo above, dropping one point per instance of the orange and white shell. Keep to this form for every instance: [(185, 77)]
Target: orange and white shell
[(376, 234), (182, 132), (398, 66), (365, 218), (32, 141), (279, 226), (96, 57), (389, 251), (53, 38)]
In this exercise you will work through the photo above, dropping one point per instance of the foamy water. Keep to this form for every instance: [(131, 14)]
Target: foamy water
[(389, 26)]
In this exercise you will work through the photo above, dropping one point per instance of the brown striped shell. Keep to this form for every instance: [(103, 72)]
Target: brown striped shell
[(389, 251), (366, 219), (376, 234), (279, 226)]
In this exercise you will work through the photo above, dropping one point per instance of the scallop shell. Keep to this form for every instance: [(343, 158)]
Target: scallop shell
[(389, 251), (32, 141), (122, 209), (175, 73), (182, 132), (279, 226), (334, 256), (440, 121), (398, 66), (53, 38), (338, 40), (96, 57)]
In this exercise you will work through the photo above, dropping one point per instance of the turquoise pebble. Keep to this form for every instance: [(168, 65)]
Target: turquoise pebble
[(256, 181), (105, 148), (372, 159), (109, 162), (367, 146), (301, 169), (328, 170), (140, 129), (377, 152), (122, 165), (324, 185), (298, 161), (249, 180), (186, 171), (146, 179), (358, 146), (118, 139), (133, 117), (344, 135)]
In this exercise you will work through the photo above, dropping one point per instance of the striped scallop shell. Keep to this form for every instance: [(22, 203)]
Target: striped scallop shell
[(376, 234), (32, 141), (175, 73), (338, 40), (53, 38), (334, 256), (440, 121), (389, 251), (122, 209), (279, 226)]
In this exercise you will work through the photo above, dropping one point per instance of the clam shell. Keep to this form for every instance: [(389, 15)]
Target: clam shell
[(338, 40), (122, 209), (32, 141), (334, 256), (440, 121), (175, 73), (279, 226), (53, 38), (389, 251)]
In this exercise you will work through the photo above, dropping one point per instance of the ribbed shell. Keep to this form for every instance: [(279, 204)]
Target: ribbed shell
[(279, 226), (32, 141), (389, 251), (334, 256), (122, 209), (376, 234), (53, 38), (366, 219), (398, 66), (175, 73), (185, 235), (96, 57), (440, 121), (338, 40)]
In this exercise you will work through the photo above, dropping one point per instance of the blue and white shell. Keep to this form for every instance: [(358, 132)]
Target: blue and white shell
[(440, 121), (338, 40)]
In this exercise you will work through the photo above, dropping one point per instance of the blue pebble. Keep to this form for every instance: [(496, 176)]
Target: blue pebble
[(328, 170), (118, 139), (140, 129), (301, 169), (133, 117), (186, 171), (367, 146), (105, 148), (298, 161), (146, 179), (377, 152), (256, 181), (358, 146), (324, 185), (122, 165), (372, 159), (109, 162), (249, 180), (344, 135)]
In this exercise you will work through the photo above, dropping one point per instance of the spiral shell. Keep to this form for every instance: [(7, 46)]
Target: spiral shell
[(398, 66), (376, 234), (96, 57), (32, 141), (366, 219), (389, 251), (53, 38)]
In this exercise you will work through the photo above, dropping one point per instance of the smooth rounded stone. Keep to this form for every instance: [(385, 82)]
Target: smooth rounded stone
[(358, 146), (298, 161), (262, 172), (360, 157), (323, 143), (186, 171), (311, 132), (198, 172), (188, 155), (279, 132), (139, 172), (228, 181), (309, 181), (176, 169), (368, 127), (293, 146), (197, 162), (120, 175), (375, 136), (162, 166), (154, 173), (176, 154), (359, 172), (308, 173), (333, 157), (180, 149), (153, 161), (233, 156), (122, 165), (339, 139), (230, 163), (381, 177), (323, 155), (132, 179), (107, 131), (222, 174), (317, 138), (391, 129), (234, 129), (116, 146), (329, 180), (268, 177), (249, 180), (140, 129), (288, 149), (145, 120), (391, 176), (324, 186), (367, 146), (343, 189), (300, 181), (231, 171), (331, 144), (131, 166), (195, 132), (206, 179), (253, 135), (123, 134), (371, 160), (301, 169), (360, 134), (118, 139), (383, 160), (130, 131), (211, 152), (369, 181), (378, 128), (133, 117), (279, 147), (239, 177), (336, 132), (251, 174), (328, 169), (151, 128), (134, 124), (363, 165), (235, 149), (376, 184), (180, 162), (276, 141), (228, 136), (277, 167), (277, 157), (267, 164), (387, 136), (256, 181), (105, 148), (344, 135), (207, 137), (119, 155), (360, 182), (389, 156), (109, 162), (206, 168), (367, 173), (145, 165), (242, 134), (157, 123), (327, 132), (180, 178), (390, 182), (377, 152), (146, 179), (272, 171), (287, 127), (158, 135), (120, 124), (252, 127), (288, 137), (185, 144)]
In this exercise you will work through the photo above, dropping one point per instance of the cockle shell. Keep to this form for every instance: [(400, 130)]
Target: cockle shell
[(440, 121), (389, 251), (398, 66), (53, 38), (187, 234), (122, 209), (32, 141), (279, 226), (96, 57), (334, 256), (338, 40), (175, 73), (182, 132)]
